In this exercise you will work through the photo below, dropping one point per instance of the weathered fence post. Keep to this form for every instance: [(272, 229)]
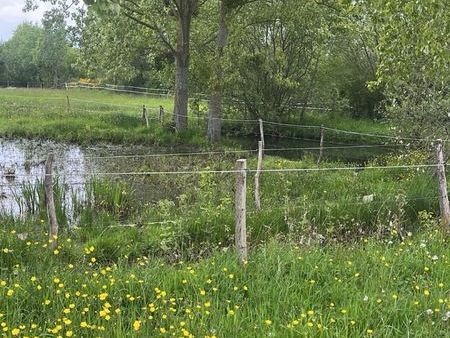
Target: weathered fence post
[(67, 96), (144, 115), (241, 197), (161, 115), (257, 176), (261, 131), (442, 181), (50, 203), (322, 137)]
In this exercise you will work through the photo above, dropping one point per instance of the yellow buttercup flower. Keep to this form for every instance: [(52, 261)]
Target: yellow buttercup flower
[(136, 325)]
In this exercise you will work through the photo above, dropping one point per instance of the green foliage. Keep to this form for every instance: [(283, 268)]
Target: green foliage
[(274, 47), (112, 52), (38, 55), (53, 55), (18, 54), (414, 63), (114, 198)]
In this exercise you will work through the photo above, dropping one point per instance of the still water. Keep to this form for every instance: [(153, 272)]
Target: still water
[(22, 163)]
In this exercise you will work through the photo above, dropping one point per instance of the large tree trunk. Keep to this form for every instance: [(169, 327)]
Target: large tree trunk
[(186, 9), (181, 93), (215, 104)]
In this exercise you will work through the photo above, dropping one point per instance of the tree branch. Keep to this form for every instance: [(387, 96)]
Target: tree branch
[(155, 28)]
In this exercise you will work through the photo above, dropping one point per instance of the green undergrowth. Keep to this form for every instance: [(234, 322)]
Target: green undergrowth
[(190, 216)]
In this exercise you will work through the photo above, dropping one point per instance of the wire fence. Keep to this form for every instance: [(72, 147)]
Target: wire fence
[(142, 90)]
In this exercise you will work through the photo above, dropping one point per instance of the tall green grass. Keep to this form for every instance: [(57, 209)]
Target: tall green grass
[(192, 215), (373, 288)]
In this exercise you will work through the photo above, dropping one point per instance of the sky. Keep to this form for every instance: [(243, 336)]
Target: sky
[(11, 15)]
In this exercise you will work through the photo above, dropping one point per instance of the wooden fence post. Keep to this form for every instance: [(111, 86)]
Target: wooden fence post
[(261, 131), (241, 198), (257, 176), (442, 181), (161, 115), (144, 115), (67, 96), (322, 136), (50, 203)]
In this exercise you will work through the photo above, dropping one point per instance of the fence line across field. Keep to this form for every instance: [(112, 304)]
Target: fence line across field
[(233, 171), (282, 124), (302, 139), (226, 152), (356, 146), (168, 92), (398, 138)]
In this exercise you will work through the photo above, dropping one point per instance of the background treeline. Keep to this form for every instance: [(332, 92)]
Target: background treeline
[(39, 54), (274, 59), (279, 55)]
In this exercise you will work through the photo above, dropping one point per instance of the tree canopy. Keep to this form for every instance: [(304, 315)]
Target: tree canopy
[(255, 58)]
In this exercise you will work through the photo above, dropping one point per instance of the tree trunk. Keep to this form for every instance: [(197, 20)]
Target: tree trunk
[(182, 53), (215, 104), (181, 93)]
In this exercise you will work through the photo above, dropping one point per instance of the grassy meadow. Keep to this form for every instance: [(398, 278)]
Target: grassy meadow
[(353, 253), (102, 116), (374, 288)]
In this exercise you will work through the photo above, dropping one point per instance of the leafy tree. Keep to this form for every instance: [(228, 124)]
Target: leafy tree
[(17, 54), (226, 9), (2, 62), (171, 21), (53, 55), (275, 47), (414, 63), (347, 64)]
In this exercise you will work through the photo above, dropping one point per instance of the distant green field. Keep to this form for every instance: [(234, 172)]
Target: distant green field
[(92, 116), (97, 115), (82, 98)]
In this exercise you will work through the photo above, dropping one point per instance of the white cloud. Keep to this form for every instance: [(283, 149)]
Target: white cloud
[(11, 15)]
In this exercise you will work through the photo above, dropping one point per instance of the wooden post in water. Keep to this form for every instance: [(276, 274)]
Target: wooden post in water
[(322, 136), (144, 115), (161, 115), (257, 176), (442, 181), (50, 203), (241, 197)]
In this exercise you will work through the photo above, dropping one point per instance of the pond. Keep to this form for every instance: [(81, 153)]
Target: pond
[(22, 164)]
